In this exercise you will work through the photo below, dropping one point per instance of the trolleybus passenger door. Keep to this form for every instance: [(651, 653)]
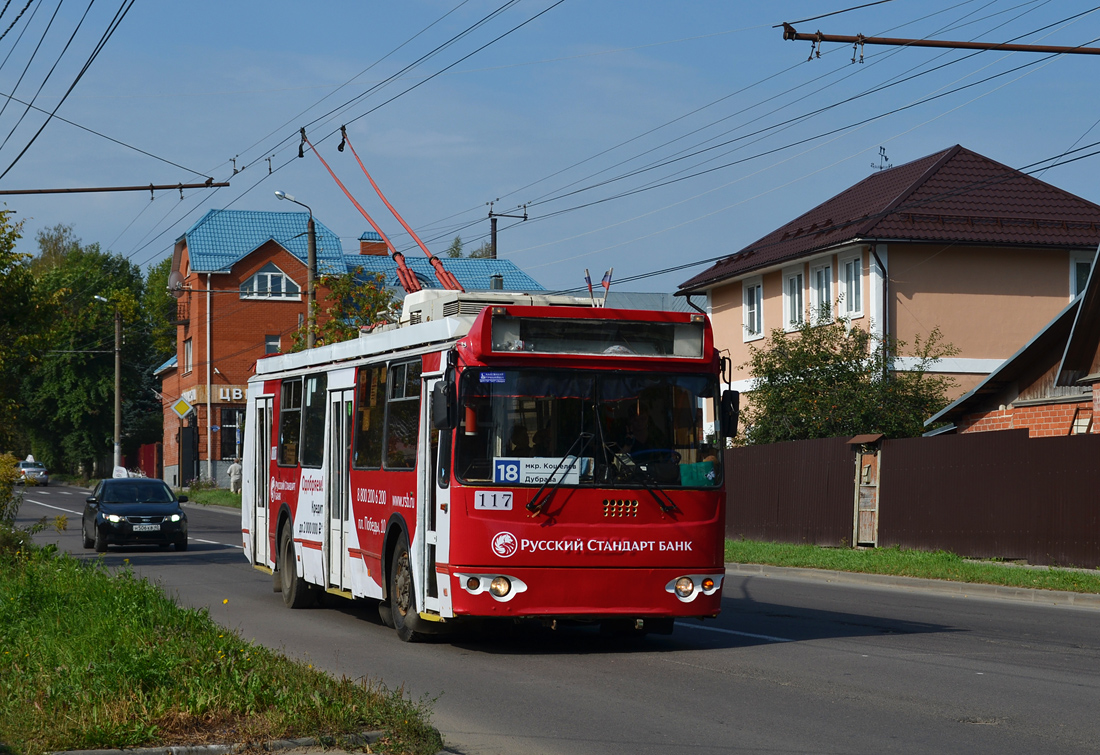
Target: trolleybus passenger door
[(427, 494), (339, 488), (261, 485)]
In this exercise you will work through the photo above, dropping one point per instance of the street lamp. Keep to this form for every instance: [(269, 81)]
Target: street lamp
[(311, 264), (118, 382)]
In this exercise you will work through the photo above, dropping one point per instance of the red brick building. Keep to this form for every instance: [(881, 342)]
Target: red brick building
[(241, 279)]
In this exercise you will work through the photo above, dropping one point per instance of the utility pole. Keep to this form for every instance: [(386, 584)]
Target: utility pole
[(493, 227), (118, 387), (311, 273)]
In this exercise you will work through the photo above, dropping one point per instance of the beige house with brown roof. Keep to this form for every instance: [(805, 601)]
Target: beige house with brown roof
[(953, 241)]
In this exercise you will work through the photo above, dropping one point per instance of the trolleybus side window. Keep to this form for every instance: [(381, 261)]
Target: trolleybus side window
[(313, 421), (290, 422), (370, 405), (403, 415)]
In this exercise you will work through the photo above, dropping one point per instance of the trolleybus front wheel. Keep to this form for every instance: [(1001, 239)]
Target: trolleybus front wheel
[(402, 597), (296, 591)]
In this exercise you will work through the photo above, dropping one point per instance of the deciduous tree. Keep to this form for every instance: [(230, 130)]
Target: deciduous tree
[(833, 379)]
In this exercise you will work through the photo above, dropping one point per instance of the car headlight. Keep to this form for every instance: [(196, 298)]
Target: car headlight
[(112, 518), (174, 518)]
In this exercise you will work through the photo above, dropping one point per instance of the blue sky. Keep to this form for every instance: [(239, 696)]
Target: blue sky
[(643, 135)]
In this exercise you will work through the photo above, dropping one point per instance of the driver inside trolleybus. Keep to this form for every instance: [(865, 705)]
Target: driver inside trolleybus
[(616, 426)]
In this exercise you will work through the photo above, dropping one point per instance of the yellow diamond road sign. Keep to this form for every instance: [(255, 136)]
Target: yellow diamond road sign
[(182, 408)]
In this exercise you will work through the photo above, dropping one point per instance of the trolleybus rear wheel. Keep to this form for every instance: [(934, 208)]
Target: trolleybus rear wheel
[(296, 592), (402, 596)]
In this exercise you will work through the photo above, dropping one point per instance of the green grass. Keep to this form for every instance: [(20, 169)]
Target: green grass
[(214, 497), (911, 563), (92, 659)]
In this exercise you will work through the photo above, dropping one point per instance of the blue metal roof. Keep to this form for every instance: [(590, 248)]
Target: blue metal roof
[(472, 274), (222, 237), (169, 364)]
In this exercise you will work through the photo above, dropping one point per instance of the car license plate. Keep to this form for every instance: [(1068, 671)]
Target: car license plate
[(146, 528)]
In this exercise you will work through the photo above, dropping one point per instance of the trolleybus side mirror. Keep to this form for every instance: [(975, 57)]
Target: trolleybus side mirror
[(731, 407), (443, 406)]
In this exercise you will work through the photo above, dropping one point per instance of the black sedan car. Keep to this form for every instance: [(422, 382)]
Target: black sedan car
[(134, 511)]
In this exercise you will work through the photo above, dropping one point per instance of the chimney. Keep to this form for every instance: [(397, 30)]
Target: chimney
[(371, 243), (496, 282)]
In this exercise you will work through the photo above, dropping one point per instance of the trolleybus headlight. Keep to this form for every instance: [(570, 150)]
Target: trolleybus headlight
[(685, 587), (708, 584), (500, 586), (472, 583)]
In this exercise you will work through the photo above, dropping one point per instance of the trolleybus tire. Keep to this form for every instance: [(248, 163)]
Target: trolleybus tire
[(296, 592), (385, 613), (402, 601)]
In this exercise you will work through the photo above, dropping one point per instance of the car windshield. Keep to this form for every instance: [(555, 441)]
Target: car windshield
[(521, 427), (140, 492)]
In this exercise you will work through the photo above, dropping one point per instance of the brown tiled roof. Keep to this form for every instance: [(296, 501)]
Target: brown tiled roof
[(954, 196)]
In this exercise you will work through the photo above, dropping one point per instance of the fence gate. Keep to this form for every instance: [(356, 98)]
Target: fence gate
[(868, 453)]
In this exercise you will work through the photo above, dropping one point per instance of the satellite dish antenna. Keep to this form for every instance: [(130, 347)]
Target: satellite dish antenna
[(175, 283)]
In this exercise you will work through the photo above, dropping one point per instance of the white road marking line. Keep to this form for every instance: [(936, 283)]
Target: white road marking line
[(58, 508), (215, 542), (739, 634)]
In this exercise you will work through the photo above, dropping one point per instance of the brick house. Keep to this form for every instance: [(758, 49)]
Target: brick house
[(1047, 387), (243, 295), (953, 240)]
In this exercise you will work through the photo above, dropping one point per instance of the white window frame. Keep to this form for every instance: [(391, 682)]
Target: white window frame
[(794, 304), (817, 301), (1076, 258), (273, 340), (271, 272), (188, 355), (754, 285), (846, 284)]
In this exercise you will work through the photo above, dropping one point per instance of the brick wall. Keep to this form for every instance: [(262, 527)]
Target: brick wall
[(1042, 420)]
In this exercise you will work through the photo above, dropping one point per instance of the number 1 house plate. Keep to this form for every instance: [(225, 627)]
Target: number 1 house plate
[(146, 528)]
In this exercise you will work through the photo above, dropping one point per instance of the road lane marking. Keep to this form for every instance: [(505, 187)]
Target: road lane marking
[(58, 508), (215, 542), (739, 634)]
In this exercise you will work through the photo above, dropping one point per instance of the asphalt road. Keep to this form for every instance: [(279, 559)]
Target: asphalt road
[(792, 665)]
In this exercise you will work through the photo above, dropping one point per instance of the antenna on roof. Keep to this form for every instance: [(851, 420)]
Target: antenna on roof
[(882, 160)]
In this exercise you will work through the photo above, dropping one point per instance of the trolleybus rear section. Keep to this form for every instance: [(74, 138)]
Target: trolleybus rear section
[(497, 455)]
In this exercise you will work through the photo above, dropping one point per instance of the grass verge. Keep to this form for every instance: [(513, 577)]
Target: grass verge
[(214, 497), (94, 659), (910, 563)]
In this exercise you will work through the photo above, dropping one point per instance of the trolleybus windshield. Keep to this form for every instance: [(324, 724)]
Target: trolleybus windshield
[(531, 426)]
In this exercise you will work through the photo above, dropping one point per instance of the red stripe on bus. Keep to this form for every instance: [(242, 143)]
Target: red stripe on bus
[(313, 544)]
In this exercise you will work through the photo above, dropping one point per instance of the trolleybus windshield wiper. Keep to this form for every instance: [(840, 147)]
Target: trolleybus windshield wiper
[(647, 481), (534, 506)]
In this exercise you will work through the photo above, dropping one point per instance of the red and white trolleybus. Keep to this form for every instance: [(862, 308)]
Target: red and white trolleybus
[(495, 455)]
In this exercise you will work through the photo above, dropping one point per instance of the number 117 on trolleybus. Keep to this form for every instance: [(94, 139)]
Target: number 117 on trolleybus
[(495, 455)]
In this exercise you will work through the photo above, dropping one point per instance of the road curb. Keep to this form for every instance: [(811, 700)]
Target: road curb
[(943, 587), (318, 745)]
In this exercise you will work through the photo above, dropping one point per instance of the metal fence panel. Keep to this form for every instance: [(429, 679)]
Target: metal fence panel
[(796, 492)]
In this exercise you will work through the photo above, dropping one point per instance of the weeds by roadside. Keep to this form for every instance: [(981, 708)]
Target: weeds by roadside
[(94, 659), (910, 563)]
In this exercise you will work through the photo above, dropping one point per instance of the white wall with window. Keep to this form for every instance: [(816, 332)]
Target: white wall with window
[(821, 291), (752, 308), (851, 285), (270, 282), (794, 301)]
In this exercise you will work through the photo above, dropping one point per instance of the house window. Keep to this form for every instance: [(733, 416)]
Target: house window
[(753, 308), (1082, 422), (231, 432), (271, 344), (1079, 268), (270, 283), (794, 308), (821, 292), (851, 286), (187, 363)]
